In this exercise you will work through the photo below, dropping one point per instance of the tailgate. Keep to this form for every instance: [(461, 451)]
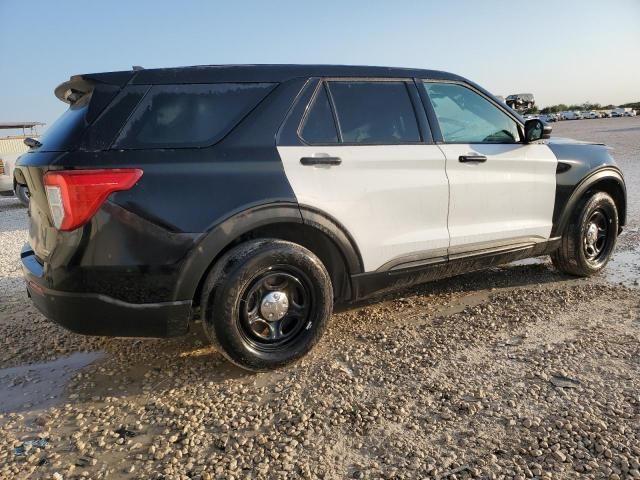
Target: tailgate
[(43, 236)]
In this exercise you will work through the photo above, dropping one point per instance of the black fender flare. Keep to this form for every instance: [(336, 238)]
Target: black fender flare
[(211, 244), (338, 233), (589, 181)]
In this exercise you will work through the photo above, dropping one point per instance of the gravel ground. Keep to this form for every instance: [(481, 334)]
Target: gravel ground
[(13, 234), (515, 372)]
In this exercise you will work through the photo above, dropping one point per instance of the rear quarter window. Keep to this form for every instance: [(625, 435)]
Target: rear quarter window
[(174, 116), (319, 126)]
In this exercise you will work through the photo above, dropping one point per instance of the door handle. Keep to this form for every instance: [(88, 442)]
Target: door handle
[(472, 158), (320, 161)]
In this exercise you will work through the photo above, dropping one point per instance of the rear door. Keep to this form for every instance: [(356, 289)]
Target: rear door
[(363, 154), (502, 190)]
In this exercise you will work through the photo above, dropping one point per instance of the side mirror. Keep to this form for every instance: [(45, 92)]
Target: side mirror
[(536, 129)]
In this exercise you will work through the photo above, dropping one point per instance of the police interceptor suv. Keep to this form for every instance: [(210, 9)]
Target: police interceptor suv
[(260, 197)]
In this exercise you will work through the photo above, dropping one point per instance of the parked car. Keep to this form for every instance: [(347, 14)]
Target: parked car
[(6, 177), (8, 185), (629, 113), (590, 115), (11, 147), (258, 198), (615, 114), (572, 116), (521, 101)]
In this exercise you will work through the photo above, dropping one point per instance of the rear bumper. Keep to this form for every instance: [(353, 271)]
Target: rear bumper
[(96, 314)]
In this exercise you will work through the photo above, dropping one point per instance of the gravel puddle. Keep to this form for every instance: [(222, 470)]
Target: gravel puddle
[(40, 385)]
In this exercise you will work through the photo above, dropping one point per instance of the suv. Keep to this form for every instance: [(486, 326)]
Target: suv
[(258, 198), (521, 101), (8, 185)]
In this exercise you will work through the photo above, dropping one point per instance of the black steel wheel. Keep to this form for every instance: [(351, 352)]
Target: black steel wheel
[(275, 307), (266, 303), (595, 237), (589, 240)]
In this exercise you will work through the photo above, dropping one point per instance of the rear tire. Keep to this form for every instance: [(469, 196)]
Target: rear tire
[(21, 193), (266, 303), (590, 237)]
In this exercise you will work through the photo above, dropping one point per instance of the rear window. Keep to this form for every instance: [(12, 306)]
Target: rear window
[(171, 116), (374, 112), (66, 131)]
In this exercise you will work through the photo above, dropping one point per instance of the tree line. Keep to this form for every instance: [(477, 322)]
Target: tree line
[(587, 106)]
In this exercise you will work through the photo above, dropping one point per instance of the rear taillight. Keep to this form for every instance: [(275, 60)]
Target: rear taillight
[(74, 196)]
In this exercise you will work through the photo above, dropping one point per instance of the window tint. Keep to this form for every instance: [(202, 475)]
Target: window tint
[(466, 117), (67, 130), (374, 112), (319, 126), (189, 115)]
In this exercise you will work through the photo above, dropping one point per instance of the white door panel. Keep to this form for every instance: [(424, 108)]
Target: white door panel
[(392, 199), (509, 196)]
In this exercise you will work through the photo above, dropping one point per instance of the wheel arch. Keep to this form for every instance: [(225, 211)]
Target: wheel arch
[(307, 227), (608, 180)]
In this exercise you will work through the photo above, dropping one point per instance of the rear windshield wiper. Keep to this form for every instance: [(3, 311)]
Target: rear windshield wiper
[(32, 142)]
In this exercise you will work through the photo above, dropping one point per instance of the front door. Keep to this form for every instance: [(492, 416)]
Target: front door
[(502, 190)]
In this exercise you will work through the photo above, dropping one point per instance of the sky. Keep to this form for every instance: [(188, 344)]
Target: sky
[(568, 51)]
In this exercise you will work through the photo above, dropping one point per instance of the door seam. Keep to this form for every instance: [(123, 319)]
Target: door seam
[(446, 174)]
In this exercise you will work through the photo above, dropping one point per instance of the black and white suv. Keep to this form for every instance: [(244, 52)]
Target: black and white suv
[(259, 197)]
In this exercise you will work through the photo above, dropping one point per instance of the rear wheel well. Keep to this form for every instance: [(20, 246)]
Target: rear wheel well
[(307, 236)]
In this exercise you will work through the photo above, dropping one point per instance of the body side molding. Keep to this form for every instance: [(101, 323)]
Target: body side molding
[(369, 284), (440, 255)]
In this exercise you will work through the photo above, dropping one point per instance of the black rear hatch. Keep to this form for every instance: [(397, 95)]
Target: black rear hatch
[(88, 97)]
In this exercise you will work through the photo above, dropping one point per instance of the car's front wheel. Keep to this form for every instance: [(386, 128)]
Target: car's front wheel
[(266, 303), (589, 240)]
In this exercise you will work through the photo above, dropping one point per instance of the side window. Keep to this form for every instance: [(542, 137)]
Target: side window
[(189, 115), (374, 112), (466, 117), (319, 125)]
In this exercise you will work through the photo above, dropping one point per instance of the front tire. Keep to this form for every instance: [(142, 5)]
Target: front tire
[(590, 237), (266, 303)]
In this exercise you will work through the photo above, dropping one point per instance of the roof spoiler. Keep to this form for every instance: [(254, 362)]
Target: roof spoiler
[(79, 85)]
